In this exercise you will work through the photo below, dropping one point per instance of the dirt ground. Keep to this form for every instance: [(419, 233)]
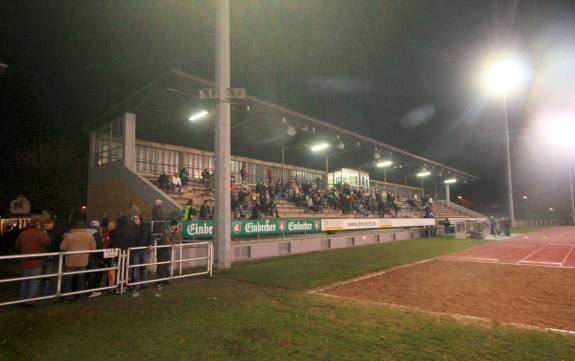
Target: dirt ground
[(537, 296)]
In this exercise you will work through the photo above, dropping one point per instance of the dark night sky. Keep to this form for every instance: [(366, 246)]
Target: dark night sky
[(364, 65)]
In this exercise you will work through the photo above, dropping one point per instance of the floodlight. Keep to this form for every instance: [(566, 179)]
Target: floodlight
[(199, 115), (450, 181), (505, 74), (319, 147), (423, 174), (384, 163), (291, 131), (558, 128)]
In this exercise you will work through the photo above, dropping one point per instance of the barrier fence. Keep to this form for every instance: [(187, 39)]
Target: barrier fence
[(120, 268), (527, 223)]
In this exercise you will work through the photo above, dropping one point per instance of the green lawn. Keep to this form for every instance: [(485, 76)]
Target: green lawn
[(310, 270), (235, 319)]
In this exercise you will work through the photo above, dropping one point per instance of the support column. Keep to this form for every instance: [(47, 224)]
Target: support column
[(447, 194), (385, 175), (222, 216), (326, 173), (572, 195), (283, 162), (129, 140), (508, 161)]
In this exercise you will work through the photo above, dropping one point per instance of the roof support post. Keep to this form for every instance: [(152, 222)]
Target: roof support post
[(222, 214)]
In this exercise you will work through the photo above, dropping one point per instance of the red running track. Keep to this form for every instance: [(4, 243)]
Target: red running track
[(551, 247)]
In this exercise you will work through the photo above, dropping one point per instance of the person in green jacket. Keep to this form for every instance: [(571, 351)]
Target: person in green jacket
[(187, 212)]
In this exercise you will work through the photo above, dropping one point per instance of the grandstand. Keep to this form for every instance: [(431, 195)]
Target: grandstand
[(151, 132)]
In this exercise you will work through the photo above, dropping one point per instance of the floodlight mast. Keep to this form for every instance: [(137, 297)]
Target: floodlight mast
[(504, 76)]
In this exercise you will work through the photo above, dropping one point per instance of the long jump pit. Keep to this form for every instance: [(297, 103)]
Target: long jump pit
[(526, 280)]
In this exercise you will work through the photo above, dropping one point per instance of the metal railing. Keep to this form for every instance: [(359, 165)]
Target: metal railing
[(528, 223), (175, 260), (60, 274), (122, 263)]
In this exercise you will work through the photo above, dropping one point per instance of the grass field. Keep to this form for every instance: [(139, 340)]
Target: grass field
[(258, 311)]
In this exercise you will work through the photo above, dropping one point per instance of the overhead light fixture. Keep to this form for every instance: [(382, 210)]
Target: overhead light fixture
[(450, 181), (319, 147), (423, 174), (459, 197), (340, 145), (199, 115), (291, 131), (383, 164)]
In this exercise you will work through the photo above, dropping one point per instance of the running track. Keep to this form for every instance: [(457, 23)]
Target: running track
[(551, 247)]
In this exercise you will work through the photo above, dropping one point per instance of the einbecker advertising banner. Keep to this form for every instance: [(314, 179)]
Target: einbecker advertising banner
[(340, 224), (266, 226), (191, 229)]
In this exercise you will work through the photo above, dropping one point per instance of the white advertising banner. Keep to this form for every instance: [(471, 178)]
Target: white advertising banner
[(340, 224)]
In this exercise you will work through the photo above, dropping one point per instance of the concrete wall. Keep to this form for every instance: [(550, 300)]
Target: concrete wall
[(112, 186), (248, 250)]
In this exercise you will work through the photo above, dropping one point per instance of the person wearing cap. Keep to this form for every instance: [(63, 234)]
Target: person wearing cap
[(96, 259), (79, 239), (32, 240), (172, 236)]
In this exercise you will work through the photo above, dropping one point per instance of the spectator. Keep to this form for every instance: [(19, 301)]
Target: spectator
[(206, 176), (176, 183), (244, 173), (188, 212), (446, 225), (95, 260), (158, 211), (205, 211), (164, 182), (184, 176), (51, 261), (77, 240), (108, 243), (144, 239), (429, 212), (134, 210), (270, 175), (171, 237), (32, 240)]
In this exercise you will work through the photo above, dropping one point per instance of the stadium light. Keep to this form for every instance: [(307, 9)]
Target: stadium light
[(504, 75), (450, 181), (423, 174), (199, 115), (384, 164), (319, 147), (459, 197), (524, 197)]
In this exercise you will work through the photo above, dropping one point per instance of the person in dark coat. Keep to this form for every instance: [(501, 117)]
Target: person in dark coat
[(143, 238), (205, 210), (52, 261)]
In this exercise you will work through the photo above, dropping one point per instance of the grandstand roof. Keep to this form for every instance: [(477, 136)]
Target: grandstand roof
[(259, 130)]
